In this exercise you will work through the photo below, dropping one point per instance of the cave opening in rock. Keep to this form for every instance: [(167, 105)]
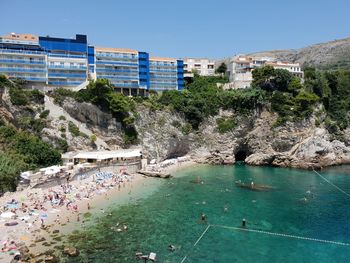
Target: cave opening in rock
[(240, 156)]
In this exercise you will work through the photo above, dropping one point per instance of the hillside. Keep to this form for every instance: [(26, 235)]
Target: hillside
[(329, 55)]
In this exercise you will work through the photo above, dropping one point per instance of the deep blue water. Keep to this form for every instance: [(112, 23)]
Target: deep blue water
[(171, 215)]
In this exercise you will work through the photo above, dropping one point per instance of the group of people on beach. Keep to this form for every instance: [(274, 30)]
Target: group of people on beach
[(31, 209)]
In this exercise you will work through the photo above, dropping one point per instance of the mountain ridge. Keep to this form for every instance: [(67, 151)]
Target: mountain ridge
[(333, 54)]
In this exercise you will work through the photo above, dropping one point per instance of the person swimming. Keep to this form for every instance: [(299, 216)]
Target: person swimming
[(203, 219)]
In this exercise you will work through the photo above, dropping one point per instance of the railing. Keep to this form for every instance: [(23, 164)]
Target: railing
[(129, 85), (67, 67), (67, 75), (29, 78), (66, 55), (116, 55), (22, 61), (104, 62), (115, 70), (163, 77), (162, 70), (22, 70), (161, 83), (118, 77), (65, 83), (22, 51)]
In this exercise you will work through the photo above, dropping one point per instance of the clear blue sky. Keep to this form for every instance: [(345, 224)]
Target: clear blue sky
[(180, 28)]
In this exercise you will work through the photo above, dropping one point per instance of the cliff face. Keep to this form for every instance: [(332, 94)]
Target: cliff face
[(162, 135)]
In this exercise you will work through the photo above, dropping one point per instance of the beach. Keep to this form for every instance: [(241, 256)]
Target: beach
[(35, 219)]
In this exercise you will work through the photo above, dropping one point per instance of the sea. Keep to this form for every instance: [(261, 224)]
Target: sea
[(290, 215)]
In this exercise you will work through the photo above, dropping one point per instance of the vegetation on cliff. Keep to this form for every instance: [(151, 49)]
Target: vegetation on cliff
[(294, 101), (21, 151), (101, 93), (22, 148)]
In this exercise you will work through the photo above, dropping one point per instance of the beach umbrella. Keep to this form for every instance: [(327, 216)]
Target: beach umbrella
[(7, 215)]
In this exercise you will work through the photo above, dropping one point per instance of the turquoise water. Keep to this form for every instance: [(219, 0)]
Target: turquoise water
[(171, 215)]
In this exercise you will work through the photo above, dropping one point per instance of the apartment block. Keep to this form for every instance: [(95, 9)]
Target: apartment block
[(203, 66), (240, 69), (50, 62)]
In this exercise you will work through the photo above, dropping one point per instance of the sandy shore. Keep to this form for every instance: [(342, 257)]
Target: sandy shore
[(43, 220)]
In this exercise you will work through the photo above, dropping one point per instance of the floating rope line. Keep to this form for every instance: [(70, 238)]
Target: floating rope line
[(341, 190), (195, 244), (282, 235)]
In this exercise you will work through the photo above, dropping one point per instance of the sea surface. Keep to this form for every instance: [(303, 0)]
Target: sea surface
[(296, 205)]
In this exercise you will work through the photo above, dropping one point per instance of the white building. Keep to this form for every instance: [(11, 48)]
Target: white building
[(240, 69), (203, 66)]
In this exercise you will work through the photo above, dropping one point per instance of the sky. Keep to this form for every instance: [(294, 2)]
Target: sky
[(183, 28)]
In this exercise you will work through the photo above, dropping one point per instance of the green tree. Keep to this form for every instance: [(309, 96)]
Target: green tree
[(222, 69)]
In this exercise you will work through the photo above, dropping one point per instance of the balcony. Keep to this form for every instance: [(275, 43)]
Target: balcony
[(126, 85), (159, 83), (67, 75), (116, 55), (67, 67), (24, 70), (66, 55), (22, 52), (29, 78), (65, 83), (162, 70), (100, 70), (117, 63), (22, 61), (118, 77)]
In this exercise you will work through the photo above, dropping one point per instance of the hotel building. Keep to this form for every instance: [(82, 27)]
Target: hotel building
[(50, 62)]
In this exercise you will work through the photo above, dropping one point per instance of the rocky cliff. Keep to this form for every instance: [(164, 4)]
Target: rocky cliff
[(162, 135)]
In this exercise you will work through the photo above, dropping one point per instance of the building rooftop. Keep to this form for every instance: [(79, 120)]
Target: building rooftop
[(103, 155), (26, 37), (162, 59), (279, 63), (116, 50)]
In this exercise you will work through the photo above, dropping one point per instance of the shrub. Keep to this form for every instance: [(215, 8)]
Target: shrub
[(186, 129), (73, 129), (93, 138), (84, 135), (36, 96), (18, 96), (226, 124), (62, 145), (62, 128), (176, 123), (44, 114), (62, 118)]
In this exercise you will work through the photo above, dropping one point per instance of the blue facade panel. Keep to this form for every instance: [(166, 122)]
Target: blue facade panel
[(144, 69), (53, 44), (180, 75), (91, 55)]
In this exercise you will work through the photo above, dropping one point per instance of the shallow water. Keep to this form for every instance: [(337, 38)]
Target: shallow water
[(171, 215)]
